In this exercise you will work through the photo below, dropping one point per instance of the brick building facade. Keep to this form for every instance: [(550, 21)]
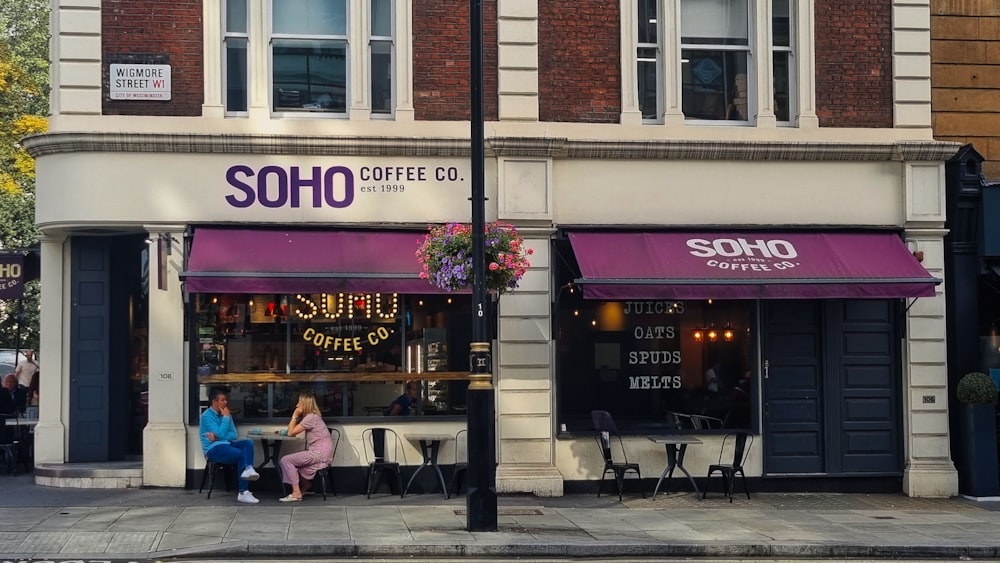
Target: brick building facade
[(747, 127)]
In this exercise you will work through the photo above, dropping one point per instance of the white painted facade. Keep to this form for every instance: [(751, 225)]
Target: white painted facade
[(134, 174)]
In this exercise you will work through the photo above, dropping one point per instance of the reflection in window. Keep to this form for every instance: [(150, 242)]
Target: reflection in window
[(309, 75), (354, 352), (235, 41), (714, 57), (381, 56), (655, 364)]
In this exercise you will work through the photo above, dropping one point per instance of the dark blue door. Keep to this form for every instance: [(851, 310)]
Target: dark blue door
[(793, 387), (832, 385), (89, 350)]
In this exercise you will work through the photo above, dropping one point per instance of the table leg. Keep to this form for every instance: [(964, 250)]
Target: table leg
[(668, 471), (425, 452), (435, 448), (680, 465)]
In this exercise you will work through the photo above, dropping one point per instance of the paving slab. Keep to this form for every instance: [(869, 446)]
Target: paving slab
[(169, 523)]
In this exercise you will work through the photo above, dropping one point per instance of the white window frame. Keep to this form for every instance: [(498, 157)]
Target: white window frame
[(259, 103), (391, 41), (802, 102), (228, 35)]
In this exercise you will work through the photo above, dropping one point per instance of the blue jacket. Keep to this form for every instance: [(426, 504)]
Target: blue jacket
[(222, 426)]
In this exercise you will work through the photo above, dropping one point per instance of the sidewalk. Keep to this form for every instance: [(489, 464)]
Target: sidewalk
[(163, 523)]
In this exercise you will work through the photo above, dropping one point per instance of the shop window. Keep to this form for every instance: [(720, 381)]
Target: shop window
[(654, 365), (354, 352)]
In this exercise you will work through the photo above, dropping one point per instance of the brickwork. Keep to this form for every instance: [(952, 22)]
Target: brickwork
[(131, 30), (579, 60), (965, 76), (441, 60), (854, 63)]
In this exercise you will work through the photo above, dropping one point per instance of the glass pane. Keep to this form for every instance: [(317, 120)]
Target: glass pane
[(646, 75), (381, 77), (236, 16), (309, 75), (236, 74), (782, 86), (647, 21), (715, 22), (382, 18), (780, 23), (714, 84), (310, 17), (647, 361), (354, 352)]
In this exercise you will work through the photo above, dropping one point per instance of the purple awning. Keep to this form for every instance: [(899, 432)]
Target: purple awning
[(747, 265), (283, 261)]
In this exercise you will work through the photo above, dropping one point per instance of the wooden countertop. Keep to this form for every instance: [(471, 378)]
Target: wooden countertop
[(270, 377)]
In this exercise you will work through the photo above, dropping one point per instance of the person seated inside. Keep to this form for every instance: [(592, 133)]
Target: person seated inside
[(220, 443), (13, 398), (402, 404)]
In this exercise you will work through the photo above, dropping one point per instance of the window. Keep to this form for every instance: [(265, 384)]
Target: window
[(695, 60), (315, 51), (354, 352), (235, 42), (654, 365), (715, 52)]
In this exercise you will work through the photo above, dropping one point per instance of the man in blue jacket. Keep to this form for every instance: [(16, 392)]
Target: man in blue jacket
[(219, 440)]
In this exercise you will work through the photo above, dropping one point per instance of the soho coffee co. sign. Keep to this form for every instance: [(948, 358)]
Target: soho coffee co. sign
[(11, 277), (334, 186), (740, 254)]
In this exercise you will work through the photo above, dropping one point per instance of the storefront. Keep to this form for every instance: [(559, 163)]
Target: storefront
[(776, 306)]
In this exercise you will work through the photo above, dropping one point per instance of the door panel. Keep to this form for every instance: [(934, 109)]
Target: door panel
[(89, 378), (867, 386), (793, 411)]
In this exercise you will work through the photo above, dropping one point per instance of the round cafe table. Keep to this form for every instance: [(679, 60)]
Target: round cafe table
[(270, 443)]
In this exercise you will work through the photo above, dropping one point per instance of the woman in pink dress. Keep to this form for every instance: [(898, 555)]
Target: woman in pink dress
[(299, 468)]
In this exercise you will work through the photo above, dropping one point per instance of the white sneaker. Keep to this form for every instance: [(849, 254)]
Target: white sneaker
[(250, 474), (247, 497)]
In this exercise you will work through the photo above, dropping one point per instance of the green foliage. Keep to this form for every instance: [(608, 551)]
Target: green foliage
[(976, 388), (24, 105)]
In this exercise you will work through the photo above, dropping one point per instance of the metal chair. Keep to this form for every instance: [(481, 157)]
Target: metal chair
[(461, 461), (382, 459), (327, 472), (208, 475), (606, 432), (728, 471)]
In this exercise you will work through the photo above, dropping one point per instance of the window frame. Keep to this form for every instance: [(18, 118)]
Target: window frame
[(760, 66), (390, 40), (227, 36)]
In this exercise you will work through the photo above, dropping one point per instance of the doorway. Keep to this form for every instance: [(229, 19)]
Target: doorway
[(831, 387)]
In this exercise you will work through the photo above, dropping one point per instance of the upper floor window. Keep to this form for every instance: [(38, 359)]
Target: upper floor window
[(316, 50), (697, 58)]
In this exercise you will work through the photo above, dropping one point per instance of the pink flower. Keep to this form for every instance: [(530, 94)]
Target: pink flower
[(494, 266)]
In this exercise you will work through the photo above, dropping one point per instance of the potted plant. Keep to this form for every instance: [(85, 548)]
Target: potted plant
[(978, 468), (446, 256)]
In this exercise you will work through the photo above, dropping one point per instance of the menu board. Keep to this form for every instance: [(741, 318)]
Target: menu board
[(651, 346)]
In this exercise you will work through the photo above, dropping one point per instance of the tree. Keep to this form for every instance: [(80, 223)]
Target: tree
[(24, 102)]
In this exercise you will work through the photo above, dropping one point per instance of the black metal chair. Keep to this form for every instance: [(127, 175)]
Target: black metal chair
[(461, 461), (208, 475), (741, 449), (606, 434), (382, 459), (327, 472)]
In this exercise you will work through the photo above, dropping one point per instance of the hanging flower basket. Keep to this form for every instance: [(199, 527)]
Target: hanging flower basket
[(446, 256)]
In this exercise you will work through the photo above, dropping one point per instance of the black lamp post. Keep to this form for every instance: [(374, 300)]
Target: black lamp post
[(481, 501)]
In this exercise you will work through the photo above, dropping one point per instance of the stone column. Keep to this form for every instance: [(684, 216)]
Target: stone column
[(164, 438), (50, 434)]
